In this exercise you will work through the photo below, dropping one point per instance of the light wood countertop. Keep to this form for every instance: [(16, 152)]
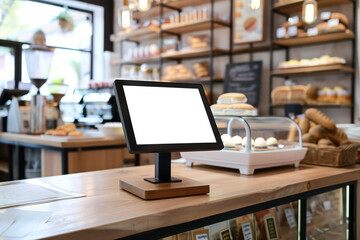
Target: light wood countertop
[(61, 143), (108, 212)]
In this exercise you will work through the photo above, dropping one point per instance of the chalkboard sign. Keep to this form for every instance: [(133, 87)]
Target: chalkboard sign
[(244, 78)]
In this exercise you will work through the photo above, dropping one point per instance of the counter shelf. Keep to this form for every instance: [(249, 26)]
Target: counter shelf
[(246, 157)]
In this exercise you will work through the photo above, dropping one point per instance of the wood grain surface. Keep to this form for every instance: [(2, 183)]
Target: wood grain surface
[(62, 143), (108, 212)]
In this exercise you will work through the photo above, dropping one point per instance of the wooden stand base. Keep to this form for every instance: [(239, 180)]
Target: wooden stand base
[(146, 190)]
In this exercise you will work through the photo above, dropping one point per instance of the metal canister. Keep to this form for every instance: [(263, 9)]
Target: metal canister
[(37, 114)]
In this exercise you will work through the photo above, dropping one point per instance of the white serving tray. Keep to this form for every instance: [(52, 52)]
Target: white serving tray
[(247, 162)]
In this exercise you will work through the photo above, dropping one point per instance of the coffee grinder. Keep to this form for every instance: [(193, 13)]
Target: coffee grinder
[(38, 62), (57, 91)]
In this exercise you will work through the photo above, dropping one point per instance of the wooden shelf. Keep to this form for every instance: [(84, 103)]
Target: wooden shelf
[(168, 6), (320, 105), (4, 166), (194, 53), (295, 6), (196, 80), (322, 38), (137, 35), (310, 71), (179, 4), (194, 26), (136, 61), (153, 12)]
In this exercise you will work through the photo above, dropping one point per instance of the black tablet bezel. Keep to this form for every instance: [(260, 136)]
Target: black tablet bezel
[(133, 147)]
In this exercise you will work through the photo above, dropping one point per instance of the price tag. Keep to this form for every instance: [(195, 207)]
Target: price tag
[(281, 32), (308, 217), (313, 206), (271, 228), (247, 231), (312, 31), (293, 20), (333, 22), (290, 217), (292, 31), (327, 205), (325, 15)]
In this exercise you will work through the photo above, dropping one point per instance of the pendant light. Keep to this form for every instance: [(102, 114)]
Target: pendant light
[(309, 11), (143, 5), (125, 16), (132, 5), (255, 4)]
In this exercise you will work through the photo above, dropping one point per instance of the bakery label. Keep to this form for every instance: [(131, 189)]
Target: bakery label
[(308, 217), (325, 15), (312, 32), (271, 229), (333, 22), (290, 217), (327, 205), (247, 232), (203, 236), (244, 78), (293, 20), (292, 31), (281, 32), (225, 234)]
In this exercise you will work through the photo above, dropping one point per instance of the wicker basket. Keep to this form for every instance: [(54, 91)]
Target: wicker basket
[(341, 156)]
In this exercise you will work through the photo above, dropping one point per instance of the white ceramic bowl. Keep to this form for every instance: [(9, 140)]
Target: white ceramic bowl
[(111, 130)]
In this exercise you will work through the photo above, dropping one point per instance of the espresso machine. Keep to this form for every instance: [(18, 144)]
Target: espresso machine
[(38, 62)]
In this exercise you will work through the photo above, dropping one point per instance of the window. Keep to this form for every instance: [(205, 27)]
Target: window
[(68, 27)]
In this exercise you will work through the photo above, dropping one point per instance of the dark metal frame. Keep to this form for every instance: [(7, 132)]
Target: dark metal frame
[(287, 57), (17, 46), (176, 229), (17, 158)]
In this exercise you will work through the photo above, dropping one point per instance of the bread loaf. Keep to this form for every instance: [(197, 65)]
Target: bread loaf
[(318, 132), (308, 138), (320, 118), (281, 95), (337, 136), (304, 125), (325, 142)]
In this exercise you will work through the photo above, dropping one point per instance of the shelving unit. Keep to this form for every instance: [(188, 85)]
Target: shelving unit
[(194, 26), (320, 105), (285, 9), (158, 10), (323, 38), (295, 6), (194, 53), (138, 35), (314, 70)]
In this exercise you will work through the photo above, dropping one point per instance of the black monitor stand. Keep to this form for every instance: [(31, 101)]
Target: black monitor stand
[(162, 169)]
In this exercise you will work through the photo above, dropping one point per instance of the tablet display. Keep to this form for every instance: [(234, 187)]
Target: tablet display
[(159, 117)]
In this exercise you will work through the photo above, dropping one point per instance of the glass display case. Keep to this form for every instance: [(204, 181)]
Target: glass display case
[(253, 142), (326, 218)]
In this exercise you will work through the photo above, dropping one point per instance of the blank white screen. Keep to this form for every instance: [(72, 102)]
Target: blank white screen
[(165, 115)]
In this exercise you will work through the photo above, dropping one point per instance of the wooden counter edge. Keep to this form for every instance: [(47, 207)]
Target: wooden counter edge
[(177, 216)]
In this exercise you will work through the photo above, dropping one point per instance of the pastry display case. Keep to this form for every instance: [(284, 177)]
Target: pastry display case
[(253, 142)]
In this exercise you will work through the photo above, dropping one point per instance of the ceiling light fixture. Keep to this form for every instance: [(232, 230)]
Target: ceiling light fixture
[(309, 11), (255, 4), (124, 17), (143, 5)]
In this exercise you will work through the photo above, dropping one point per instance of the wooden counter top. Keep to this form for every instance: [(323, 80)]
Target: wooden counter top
[(108, 212), (61, 143)]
